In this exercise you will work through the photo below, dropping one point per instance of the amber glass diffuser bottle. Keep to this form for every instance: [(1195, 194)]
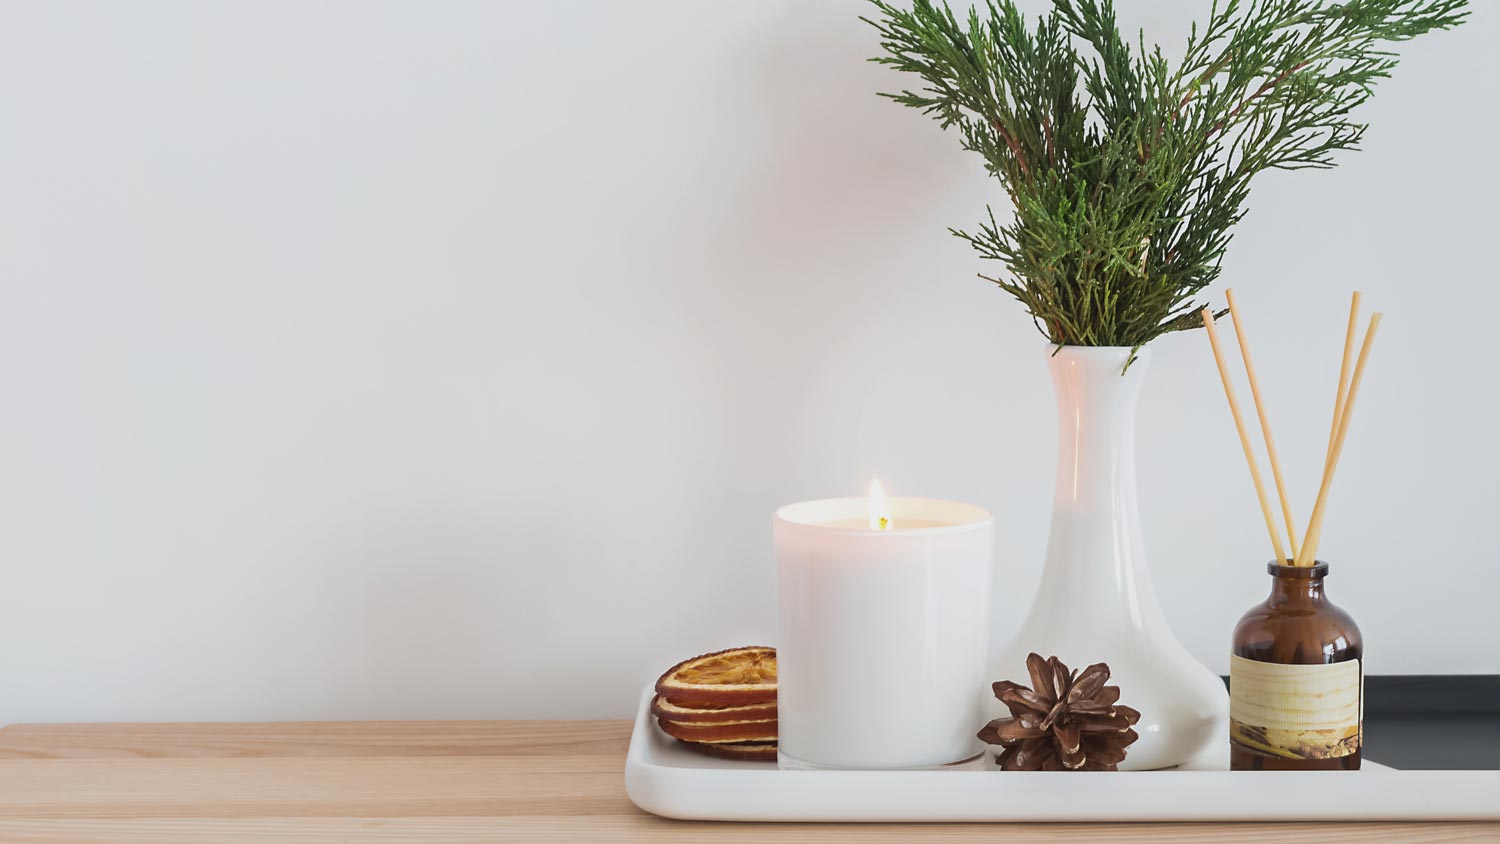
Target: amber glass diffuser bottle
[(1296, 679), (1296, 671)]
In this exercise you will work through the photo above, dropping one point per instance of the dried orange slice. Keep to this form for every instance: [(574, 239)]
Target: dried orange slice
[(756, 751), (735, 677), (720, 733), (663, 708)]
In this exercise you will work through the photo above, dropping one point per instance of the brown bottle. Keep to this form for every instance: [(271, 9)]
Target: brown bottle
[(1296, 680)]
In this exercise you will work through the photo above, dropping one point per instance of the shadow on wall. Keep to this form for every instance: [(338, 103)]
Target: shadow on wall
[(826, 172), (832, 159), (435, 604)]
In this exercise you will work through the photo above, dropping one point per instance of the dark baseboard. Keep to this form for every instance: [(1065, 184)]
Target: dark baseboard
[(1433, 694)]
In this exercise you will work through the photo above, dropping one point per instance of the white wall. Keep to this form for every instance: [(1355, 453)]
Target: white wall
[(447, 360)]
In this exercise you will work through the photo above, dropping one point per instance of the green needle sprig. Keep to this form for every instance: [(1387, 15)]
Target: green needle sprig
[(1128, 172)]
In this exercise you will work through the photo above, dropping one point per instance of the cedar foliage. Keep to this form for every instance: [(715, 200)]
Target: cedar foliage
[(1128, 171)]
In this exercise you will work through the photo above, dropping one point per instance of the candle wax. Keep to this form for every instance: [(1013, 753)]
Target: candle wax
[(883, 633), (895, 526)]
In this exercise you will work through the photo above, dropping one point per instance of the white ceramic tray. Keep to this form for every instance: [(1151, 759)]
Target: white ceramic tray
[(666, 779)]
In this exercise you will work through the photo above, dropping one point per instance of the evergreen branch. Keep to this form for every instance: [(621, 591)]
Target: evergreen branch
[(1128, 173)]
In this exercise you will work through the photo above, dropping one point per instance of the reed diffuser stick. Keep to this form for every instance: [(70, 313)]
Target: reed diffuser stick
[(1265, 424), (1239, 424), (1338, 397), (1315, 524)]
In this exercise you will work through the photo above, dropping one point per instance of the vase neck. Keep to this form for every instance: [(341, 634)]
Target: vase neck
[(1096, 403), (1096, 536)]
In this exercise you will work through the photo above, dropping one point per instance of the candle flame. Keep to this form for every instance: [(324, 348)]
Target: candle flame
[(880, 510)]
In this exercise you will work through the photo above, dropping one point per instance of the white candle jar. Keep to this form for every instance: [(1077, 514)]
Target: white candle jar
[(884, 636)]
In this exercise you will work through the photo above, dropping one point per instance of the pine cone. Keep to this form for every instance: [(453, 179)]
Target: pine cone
[(1064, 722)]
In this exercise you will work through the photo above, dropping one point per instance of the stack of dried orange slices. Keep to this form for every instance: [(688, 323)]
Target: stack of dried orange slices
[(722, 704)]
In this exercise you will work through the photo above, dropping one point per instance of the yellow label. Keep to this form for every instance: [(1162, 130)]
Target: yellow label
[(1295, 711)]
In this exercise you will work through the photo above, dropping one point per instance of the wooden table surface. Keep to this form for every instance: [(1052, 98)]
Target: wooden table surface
[(442, 781)]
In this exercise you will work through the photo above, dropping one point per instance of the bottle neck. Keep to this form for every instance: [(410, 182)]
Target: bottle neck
[(1296, 587), (1292, 592)]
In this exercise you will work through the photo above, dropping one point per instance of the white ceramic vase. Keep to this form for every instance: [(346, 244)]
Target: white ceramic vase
[(1095, 602)]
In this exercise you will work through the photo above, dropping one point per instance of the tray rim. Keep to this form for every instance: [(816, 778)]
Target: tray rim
[(750, 791)]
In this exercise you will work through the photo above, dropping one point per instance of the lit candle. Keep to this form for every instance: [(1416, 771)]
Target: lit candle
[(884, 612)]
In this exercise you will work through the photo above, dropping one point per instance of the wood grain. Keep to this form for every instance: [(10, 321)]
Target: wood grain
[(315, 738), (458, 781)]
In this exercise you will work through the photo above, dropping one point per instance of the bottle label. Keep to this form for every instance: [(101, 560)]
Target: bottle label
[(1295, 711)]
